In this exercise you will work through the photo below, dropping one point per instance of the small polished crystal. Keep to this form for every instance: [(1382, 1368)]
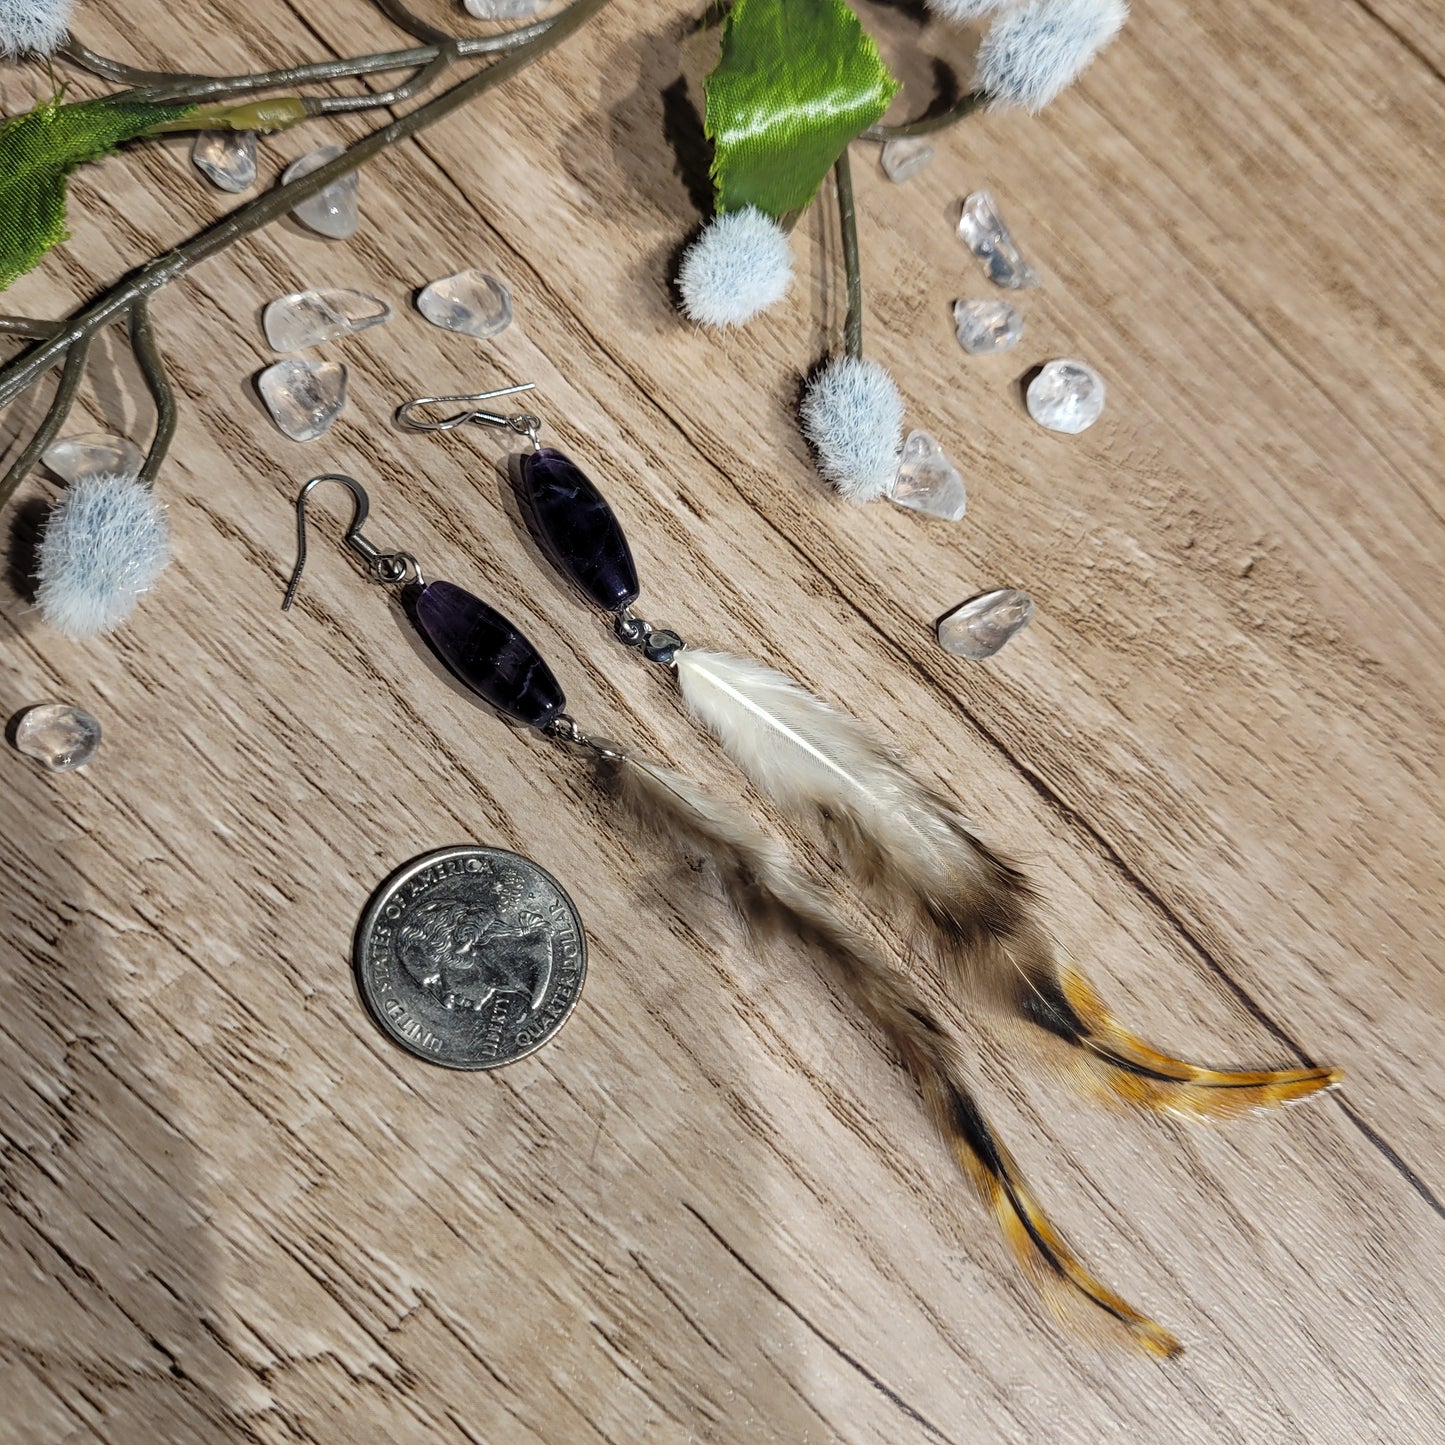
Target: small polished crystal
[(927, 481), (307, 318), (985, 234), (227, 158), (58, 735), (488, 653), (1066, 396), (983, 327), (503, 9), (470, 301), (335, 211), (577, 527), (91, 452), (905, 157), (985, 623), (304, 397)]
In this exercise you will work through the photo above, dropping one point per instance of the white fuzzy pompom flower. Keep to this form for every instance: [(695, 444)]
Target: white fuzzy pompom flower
[(33, 25), (853, 415), (1029, 55), (739, 266), (104, 544)]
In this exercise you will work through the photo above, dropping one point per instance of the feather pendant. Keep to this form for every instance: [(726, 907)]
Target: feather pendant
[(978, 910), (1130, 1069), (777, 900)]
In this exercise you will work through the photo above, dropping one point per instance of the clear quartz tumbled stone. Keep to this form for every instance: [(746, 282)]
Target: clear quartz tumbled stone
[(470, 301), (304, 397), (985, 623), (58, 735), (983, 327), (985, 234), (307, 318), (227, 158), (1066, 396), (503, 9), (905, 156), (81, 456), (335, 211), (927, 481)]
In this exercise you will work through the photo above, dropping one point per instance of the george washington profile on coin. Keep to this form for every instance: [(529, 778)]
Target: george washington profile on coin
[(470, 957), (464, 952)]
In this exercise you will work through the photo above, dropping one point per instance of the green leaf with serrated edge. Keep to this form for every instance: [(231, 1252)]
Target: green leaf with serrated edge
[(797, 80), (38, 150)]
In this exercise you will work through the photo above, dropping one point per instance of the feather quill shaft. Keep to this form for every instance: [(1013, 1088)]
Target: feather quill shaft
[(777, 900), (978, 909)]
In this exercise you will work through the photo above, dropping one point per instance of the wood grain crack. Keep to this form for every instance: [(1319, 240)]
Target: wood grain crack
[(888, 1393), (1401, 39)]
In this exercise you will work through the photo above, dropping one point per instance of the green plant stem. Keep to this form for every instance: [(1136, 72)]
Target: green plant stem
[(44, 434), (153, 369), (422, 78), (28, 327), (414, 25), (162, 88), (848, 219), (964, 106), (117, 303), (264, 116), (84, 58)]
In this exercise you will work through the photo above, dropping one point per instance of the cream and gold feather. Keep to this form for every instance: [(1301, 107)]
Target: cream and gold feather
[(777, 901), (977, 910)]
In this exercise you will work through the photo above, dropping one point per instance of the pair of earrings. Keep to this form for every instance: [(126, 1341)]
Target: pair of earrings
[(973, 908)]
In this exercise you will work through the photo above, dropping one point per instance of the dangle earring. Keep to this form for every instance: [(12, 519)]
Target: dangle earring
[(493, 658), (568, 515), (974, 908), (485, 651)]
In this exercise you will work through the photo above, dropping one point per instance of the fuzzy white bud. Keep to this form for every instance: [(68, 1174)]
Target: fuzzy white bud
[(1030, 54), (33, 26), (105, 543), (740, 265), (853, 416)]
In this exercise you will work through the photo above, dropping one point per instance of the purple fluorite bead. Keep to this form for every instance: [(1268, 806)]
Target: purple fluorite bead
[(575, 524), (488, 653)]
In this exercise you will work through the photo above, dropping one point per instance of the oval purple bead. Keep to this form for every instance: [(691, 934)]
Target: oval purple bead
[(575, 524), (488, 653)]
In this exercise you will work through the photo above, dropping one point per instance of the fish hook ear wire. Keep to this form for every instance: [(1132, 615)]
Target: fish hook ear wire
[(525, 423), (389, 568), (420, 415)]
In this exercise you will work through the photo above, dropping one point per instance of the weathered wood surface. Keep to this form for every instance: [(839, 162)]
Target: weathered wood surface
[(713, 1209)]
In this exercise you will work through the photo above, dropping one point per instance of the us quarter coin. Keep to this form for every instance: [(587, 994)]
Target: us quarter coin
[(470, 957)]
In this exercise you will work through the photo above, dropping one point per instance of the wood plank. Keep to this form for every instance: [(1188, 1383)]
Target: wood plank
[(712, 1209)]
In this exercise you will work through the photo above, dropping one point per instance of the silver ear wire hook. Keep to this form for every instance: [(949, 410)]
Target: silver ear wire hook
[(525, 422), (391, 568)]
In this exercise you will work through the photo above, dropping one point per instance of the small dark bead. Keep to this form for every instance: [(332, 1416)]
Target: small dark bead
[(661, 646), (578, 528), (487, 653)]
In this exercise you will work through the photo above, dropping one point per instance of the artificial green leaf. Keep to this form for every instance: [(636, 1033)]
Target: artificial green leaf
[(797, 80), (38, 150)]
